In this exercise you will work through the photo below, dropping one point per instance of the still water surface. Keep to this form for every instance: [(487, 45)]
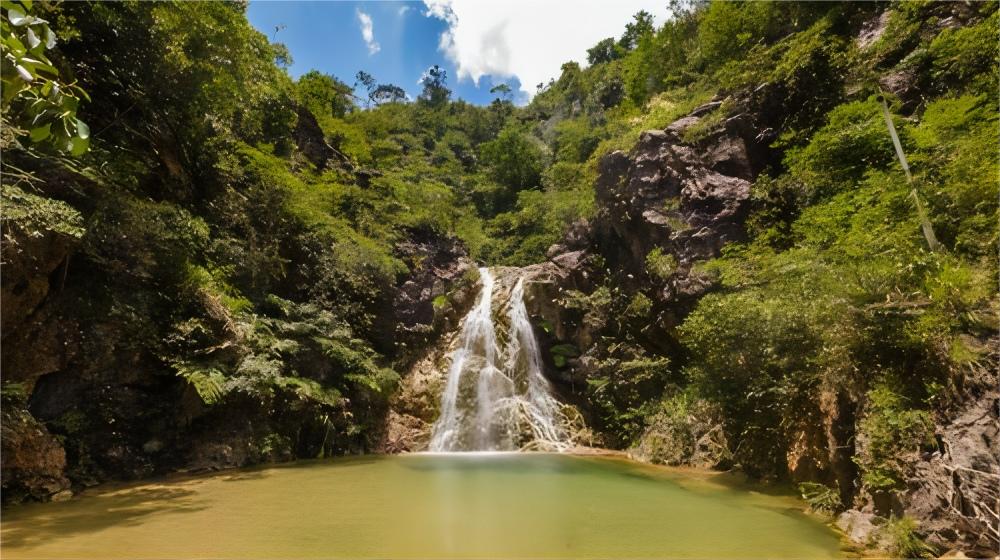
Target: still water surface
[(424, 506)]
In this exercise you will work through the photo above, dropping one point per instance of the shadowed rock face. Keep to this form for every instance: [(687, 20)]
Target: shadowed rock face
[(33, 461), (952, 492), (30, 263), (671, 195), (438, 267), (97, 406), (955, 492)]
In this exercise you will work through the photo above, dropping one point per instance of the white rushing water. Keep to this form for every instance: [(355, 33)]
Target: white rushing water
[(496, 397)]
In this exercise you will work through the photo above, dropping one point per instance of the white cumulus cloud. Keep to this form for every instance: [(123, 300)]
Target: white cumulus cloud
[(368, 33), (529, 39)]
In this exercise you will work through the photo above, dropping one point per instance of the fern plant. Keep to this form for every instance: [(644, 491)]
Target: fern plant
[(820, 497), (208, 381)]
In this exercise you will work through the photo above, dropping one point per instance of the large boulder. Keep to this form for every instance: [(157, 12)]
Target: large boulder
[(34, 463), (693, 437)]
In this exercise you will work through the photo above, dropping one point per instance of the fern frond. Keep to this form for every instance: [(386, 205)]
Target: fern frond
[(208, 381), (311, 390)]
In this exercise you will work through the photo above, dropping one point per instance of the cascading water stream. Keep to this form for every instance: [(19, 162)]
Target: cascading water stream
[(496, 397)]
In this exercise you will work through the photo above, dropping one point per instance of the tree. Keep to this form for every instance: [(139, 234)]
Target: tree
[(323, 94), (282, 56), (641, 26), (185, 75), (571, 83), (435, 91), (502, 106), (368, 81), (515, 161), (387, 93), (604, 51), (35, 96), (502, 91)]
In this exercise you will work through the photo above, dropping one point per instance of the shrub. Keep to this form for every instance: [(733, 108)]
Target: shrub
[(660, 265), (899, 535), (820, 497), (891, 431)]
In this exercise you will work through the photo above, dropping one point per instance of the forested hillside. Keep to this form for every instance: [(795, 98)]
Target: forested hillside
[(208, 263)]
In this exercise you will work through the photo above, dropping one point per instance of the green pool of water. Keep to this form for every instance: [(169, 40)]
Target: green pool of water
[(424, 506)]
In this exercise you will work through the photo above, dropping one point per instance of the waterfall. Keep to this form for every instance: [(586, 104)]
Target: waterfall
[(496, 397)]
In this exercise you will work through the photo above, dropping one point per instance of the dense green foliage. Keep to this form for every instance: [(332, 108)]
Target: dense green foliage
[(842, 287), (36, 99), (210, 239)]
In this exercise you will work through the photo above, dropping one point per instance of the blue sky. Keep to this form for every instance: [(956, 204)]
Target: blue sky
[(502, 41), (327, 36)]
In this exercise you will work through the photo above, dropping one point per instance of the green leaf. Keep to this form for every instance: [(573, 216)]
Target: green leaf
[(41, 133), (565, 350), (78, 146), (15, 45), (79, 91), (23, 72), (69, 103), (82, 130), (33, 40), (17, 17)]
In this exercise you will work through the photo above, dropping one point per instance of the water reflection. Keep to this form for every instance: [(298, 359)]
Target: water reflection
[(123, 508)]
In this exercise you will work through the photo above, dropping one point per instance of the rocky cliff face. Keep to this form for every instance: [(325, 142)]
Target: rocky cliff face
[(34, 462), (667, 206), (433, 297), (954, 490), (615, 289)]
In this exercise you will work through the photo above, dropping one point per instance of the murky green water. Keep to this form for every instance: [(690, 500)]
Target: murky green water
[(424, 506)]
